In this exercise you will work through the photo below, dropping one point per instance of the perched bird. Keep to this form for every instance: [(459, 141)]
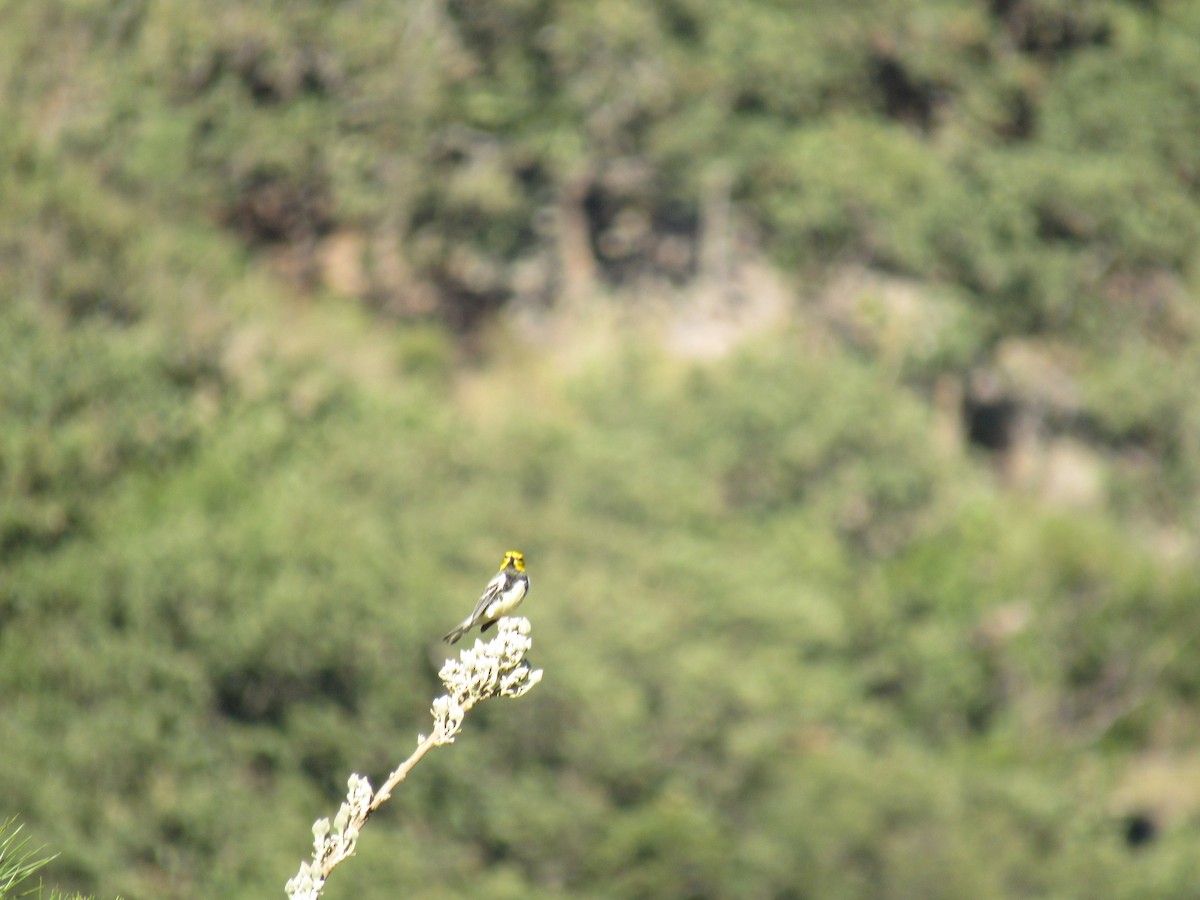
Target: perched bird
[(503, 594)]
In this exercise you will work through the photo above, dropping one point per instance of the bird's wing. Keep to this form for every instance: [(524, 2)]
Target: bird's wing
[(490, 593)]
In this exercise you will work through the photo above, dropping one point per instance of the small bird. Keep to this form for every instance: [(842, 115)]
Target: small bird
[(503, 594)]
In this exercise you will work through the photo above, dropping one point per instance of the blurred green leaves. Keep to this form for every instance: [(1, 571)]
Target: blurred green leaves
[(795, 643)]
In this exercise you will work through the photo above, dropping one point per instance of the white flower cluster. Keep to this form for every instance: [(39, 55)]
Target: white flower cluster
[(495, 669), (332, 846)]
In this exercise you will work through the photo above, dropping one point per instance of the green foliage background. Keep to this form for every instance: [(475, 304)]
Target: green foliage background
[(796, 642)]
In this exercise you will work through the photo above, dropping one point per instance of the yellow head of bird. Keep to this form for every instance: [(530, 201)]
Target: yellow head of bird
[(514, 558)]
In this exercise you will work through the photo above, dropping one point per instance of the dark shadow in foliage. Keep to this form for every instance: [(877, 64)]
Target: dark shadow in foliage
[(636, 232), (1050, 29), (906, 97), (1020, 123), (263, 695), (270, 76), (1139, 829), (990, 421), (271, 206)]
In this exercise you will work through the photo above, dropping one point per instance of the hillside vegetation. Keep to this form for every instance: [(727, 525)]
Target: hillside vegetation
[(309, 311)]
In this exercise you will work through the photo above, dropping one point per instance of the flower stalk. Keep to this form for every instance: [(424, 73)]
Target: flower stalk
[(497, 668)]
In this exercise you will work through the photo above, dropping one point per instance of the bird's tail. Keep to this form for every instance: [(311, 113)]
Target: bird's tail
[(455, 633)]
